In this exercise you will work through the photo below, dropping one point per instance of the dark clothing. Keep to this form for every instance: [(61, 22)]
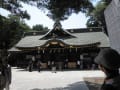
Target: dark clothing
[(111, 84), (108, 58), (5, 77), (30, 66), (39, 66)]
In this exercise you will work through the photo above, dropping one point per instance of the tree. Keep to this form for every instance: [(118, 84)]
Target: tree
[(96, 16), (62, 9), (39, 27), (11, 30), (58, 9), (14, 7), (17, 28), (3, 33), (10, 27)]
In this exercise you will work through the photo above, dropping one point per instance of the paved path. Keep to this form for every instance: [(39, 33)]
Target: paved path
[(46, 80)]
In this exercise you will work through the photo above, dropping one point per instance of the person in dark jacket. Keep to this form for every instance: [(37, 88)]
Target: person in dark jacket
[(108, 61), (39, 66), (30, 66), (5, 71)]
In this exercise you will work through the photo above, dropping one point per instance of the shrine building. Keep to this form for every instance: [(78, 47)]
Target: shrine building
[(67, 49)]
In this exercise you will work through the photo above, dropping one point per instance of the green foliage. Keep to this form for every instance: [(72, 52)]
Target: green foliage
[(14, 7), (62, 9), (11, 30), (39, 27), (58, 9), (96, 16)]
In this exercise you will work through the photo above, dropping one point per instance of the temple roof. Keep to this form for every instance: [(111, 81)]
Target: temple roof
[(87, 37), (13, 49), (57, 32)]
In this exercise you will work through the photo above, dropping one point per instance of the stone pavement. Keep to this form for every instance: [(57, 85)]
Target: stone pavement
[(46, 80)]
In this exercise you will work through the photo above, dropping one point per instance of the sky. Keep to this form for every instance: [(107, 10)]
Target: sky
[(38, 17)]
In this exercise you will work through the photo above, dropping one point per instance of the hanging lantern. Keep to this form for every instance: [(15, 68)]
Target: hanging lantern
[(76, 49), (38, 49), (81, 56), (43, 51)]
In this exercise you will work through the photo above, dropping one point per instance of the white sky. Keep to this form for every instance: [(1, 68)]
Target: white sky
[(38, 17)]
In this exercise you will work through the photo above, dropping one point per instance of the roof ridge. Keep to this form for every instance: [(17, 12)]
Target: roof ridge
[(57, 32)]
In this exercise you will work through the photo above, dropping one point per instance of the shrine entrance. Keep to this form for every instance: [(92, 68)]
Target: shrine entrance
[(56, 54), (64, 49)]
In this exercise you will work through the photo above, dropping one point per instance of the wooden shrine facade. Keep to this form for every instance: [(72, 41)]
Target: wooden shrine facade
[(66, 49)]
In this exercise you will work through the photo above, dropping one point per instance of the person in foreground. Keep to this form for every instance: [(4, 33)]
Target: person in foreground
[(108, 61)]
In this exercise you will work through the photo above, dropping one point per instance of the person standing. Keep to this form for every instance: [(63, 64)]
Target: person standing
[(53, 67), (108, 61), (31, 62), (39, 66), (5, 71), (78, 64), (30, 66)]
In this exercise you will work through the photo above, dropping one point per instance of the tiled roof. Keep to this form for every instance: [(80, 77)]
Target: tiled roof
[(89, 38), (13, 49), (81, 39)]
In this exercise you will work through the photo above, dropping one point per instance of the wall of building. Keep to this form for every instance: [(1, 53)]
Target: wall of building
[(112, 16)]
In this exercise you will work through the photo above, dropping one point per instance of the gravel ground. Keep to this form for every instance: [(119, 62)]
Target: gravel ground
[(46, 80), (94, 83)]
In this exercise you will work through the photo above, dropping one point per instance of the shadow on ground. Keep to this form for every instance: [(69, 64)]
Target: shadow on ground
[(94, 83), (93, 86), (74, 86)]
